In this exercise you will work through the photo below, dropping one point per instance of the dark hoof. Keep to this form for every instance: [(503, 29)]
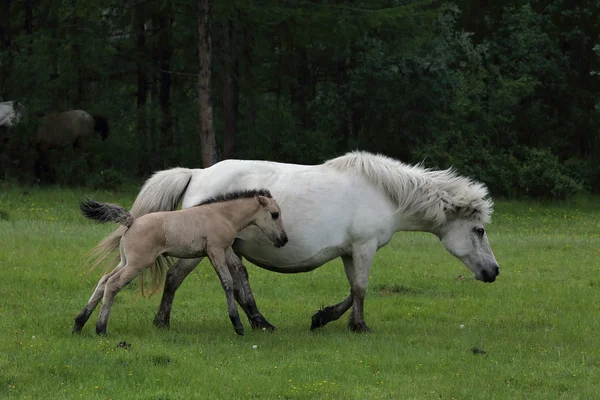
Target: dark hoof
[(359, 328), (101, 329), (322, 318), (77, 327), (159, 323), (261, 323), (239, 331)]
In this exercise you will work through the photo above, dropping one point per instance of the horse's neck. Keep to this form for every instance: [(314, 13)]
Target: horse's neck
[(413, 223)]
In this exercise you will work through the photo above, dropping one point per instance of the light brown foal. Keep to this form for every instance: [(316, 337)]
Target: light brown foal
[(205, 230)]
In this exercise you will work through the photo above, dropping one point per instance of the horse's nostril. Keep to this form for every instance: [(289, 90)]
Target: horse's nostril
[(285, 240), (497, 270)]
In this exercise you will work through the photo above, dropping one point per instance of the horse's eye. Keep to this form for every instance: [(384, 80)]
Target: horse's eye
[(275, 215), (480, 232)]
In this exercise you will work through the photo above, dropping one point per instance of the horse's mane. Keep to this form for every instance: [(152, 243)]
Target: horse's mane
[(435, 194), (238, 194)]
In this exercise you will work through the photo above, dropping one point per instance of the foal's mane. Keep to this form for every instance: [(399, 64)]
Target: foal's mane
[(238, 194), (435, 194)]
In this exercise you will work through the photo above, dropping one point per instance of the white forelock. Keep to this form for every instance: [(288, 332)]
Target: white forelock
[(435, 194)]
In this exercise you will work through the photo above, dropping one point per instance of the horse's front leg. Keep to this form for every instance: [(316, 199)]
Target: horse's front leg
[(219, 262), (357, 272), (175, 276), (243, 293), (334, 312), (357, 269)]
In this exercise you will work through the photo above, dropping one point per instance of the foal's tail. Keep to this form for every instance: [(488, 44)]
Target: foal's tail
[(105, 212), (162, 192)]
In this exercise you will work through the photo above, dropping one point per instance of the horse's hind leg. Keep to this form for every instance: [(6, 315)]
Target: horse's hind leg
[(175, 276), (243, 293), (219, 262), (113, 286), (87, 311)]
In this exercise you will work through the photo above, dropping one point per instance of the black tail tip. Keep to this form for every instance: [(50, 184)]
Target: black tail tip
[(89, 208)]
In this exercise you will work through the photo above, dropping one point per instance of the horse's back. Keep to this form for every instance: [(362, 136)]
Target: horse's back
[(324, 210), (65, 127)]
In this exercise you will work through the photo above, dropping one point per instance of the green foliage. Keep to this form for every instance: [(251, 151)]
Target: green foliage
[(543, 176), (483, 89)]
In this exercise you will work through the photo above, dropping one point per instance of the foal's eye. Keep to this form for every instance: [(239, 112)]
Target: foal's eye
[(480, 232), (275, 215)]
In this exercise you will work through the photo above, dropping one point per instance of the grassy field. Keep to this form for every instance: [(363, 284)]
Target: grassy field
[(538, 324)]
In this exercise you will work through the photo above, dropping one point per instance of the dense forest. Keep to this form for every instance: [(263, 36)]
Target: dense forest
[(505, 91)]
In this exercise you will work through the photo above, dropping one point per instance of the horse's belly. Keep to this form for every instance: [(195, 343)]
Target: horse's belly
[(284, 260)]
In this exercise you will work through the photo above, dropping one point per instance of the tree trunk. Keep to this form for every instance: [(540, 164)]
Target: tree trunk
[(207, 131), (77, 59), (230, 92), (5, 47), (28, 17), (249, 78), (142, 82), (165, 54)]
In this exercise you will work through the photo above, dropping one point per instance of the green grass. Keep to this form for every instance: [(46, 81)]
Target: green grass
[(539, 323)]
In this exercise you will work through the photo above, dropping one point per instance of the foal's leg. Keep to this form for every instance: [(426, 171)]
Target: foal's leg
[(243, 292), (219, 262), (87, 311), (175, 276), (334, 312), (114, 285)]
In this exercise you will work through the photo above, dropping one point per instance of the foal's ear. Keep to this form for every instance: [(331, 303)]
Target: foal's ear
[(262, 200)]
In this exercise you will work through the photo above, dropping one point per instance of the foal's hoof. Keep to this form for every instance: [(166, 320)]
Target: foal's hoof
[(101, 329), (77, 328), (261, 323), (239, 331), (358, 327)]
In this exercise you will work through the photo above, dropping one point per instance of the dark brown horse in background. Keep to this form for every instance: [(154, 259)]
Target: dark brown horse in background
[(69, 128)]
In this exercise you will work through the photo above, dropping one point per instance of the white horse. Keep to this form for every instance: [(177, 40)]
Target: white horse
[(10, 114), (348, 207)]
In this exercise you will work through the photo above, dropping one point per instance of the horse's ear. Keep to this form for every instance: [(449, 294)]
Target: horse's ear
[(262, 200), (449, 206)]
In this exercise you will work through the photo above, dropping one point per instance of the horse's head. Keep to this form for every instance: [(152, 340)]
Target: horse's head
[(268, 220), (465, 238), (101, 126)]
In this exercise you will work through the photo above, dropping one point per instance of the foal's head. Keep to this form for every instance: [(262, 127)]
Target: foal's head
[(268, 220)]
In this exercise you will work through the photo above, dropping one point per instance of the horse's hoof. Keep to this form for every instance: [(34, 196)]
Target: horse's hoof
[(322, 317), (359, 328), (76, 330), (239, 331), (159, 323), (101, 330)]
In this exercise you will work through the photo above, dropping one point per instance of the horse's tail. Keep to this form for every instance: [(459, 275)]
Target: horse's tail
[(162, 192), (105, 212), (101, 126)]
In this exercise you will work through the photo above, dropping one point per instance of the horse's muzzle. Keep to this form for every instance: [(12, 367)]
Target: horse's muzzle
[(280, 242), (489, 277)]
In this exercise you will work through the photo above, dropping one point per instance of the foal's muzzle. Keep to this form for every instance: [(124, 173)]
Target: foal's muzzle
[(280, 242)]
